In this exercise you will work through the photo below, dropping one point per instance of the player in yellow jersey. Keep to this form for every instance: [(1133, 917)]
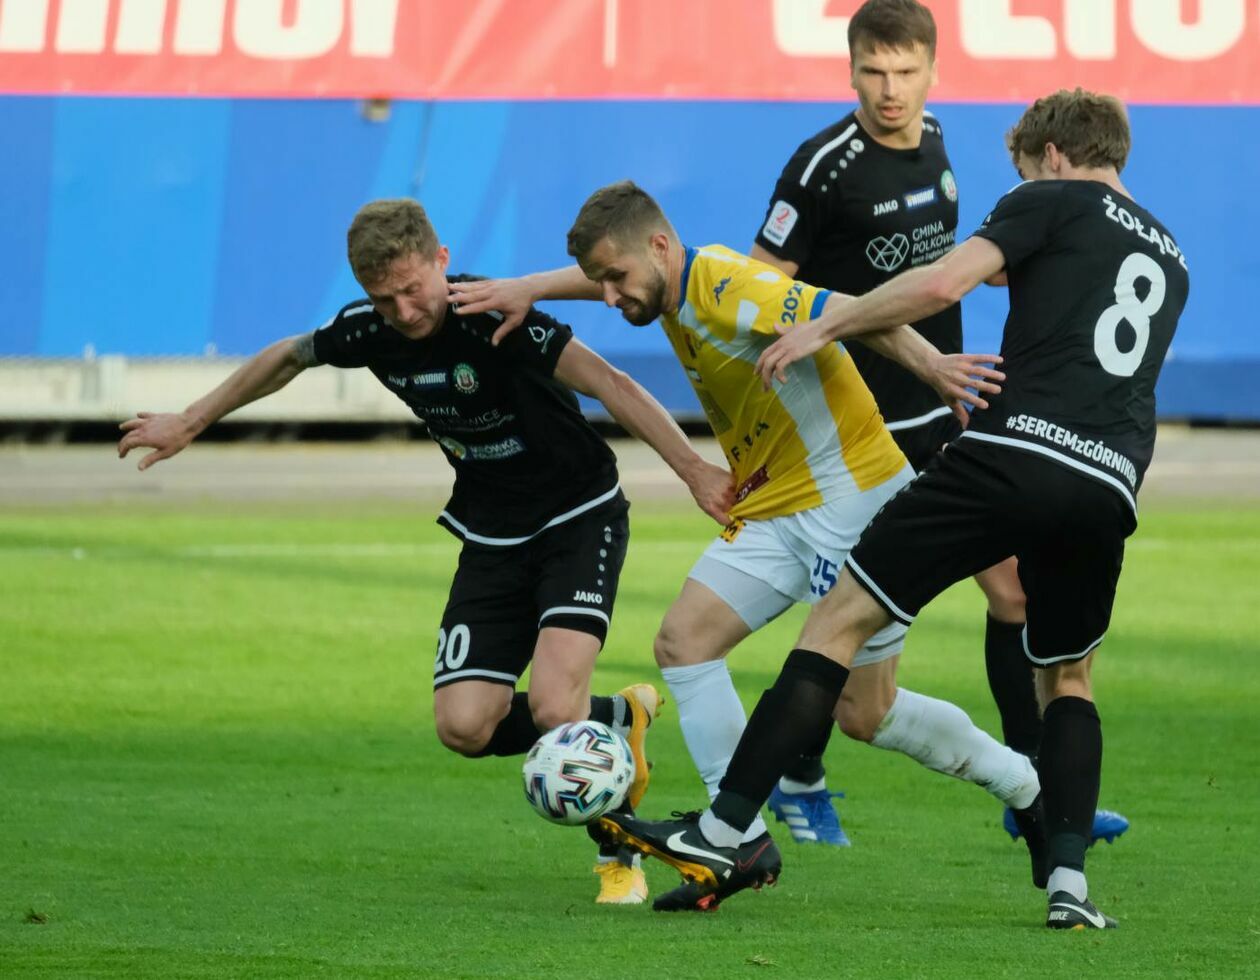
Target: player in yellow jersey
[(811, 462)]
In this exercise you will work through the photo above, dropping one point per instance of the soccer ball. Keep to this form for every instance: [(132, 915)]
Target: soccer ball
[(578, 772)]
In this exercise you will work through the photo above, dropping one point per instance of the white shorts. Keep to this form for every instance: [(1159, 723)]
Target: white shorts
[(766, 566)]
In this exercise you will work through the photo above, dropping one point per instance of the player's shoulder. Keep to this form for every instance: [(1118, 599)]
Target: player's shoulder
[(815, 158), (932, 129)]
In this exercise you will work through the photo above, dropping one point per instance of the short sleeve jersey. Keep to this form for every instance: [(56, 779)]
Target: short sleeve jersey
[(852, 214), (1097, 285), (524, 456), (816, 438)]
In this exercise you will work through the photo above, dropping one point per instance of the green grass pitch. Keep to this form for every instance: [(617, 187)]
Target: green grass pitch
[(217, 759)]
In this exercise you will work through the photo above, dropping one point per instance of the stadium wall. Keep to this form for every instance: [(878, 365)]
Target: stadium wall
[(173, 227)]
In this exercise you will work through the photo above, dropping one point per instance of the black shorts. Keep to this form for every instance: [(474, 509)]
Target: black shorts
[(922, 442), (975, 505), (501, 597)]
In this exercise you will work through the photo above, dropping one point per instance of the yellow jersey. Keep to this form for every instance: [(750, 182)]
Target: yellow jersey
[(814, 439)]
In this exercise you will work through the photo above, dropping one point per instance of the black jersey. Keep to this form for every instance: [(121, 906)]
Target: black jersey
[(524, 456), (1096, 287), (852, 214)]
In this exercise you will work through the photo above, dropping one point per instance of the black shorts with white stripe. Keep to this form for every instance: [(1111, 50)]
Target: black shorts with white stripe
[(976, 504), (922, 438), (501, 598)]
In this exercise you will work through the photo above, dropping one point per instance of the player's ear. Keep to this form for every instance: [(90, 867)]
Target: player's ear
[(659, 244), (442, 258)]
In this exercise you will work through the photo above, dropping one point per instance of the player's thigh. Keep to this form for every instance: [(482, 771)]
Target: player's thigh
[(945, 526), (560, 677), (867, 697), (577, 568), (489, 625), (713, 613), (1001, 587), (848, 622), (1070, 558)]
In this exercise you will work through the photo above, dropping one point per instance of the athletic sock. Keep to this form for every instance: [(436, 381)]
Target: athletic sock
[(611, 710), (1011, 681), (807, 768), (1071, 769), (941, 736), (1068, 880), (516, 733), (799, 789), (785, 722), (712, 719)]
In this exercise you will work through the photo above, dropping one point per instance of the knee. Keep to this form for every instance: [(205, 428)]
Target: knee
[(1005, 596), (859, 723), (668, 647), (464, 734)]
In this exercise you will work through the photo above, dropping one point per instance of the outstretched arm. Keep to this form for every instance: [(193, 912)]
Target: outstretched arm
[(581, 369), (910, 297), (514, 297), (267, 371), (949, 375)]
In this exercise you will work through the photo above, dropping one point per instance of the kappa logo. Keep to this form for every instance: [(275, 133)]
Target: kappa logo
[(780, 223), (719, 289), (887, 254), (887, 207), (465, 379), (595, 597)]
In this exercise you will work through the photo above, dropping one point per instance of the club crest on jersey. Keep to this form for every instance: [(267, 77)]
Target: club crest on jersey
[(780, 223), (949, 185), (456, 449), (886, 254), (465, 379)]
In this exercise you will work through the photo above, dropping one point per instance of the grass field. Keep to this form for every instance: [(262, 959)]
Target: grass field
[(217, 759)]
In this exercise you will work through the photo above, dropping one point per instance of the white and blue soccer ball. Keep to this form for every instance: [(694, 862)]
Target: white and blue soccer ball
[(578, 772)]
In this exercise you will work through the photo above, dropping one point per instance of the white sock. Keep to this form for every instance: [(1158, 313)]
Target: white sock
[(712, 720), (718, 832), (1068, 880), (941, 736), (615, 858), (792, 786)]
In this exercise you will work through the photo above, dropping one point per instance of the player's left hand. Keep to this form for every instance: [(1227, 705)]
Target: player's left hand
[(955, 375), (511, 297), (801, 342), (714, 490)]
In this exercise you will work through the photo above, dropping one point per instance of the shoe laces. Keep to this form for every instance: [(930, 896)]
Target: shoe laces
[(691, 816)]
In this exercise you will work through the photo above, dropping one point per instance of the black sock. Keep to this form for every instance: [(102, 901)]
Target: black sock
[(602, 710), (1071, 769), (784, 724), (808, 766), (516, 733), (1011, 681)]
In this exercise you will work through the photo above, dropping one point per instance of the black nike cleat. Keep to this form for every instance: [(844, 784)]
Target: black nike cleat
[(680, 844), (1031, 823), (760, 856), (1066, 912)]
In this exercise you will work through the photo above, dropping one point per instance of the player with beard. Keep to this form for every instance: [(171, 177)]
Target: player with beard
[(858, 203), (812, 463), (536, 503), (1050, 473)]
